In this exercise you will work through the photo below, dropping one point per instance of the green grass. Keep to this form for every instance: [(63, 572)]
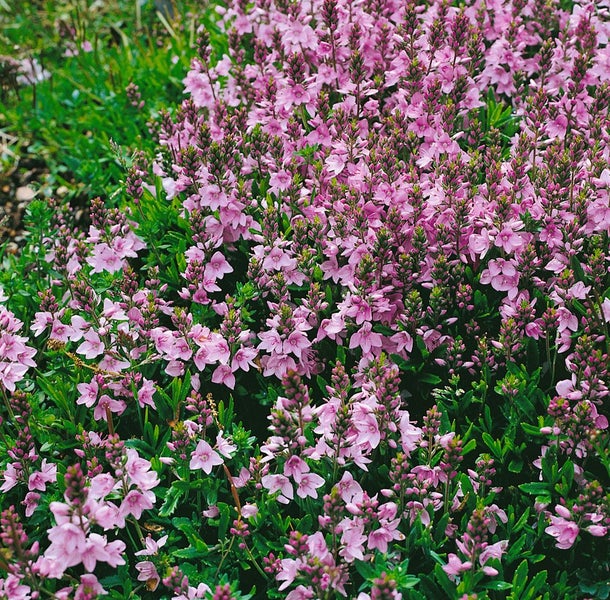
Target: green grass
[(75, 119)]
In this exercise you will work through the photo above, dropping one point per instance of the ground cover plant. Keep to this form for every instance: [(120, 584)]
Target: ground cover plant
[(346, 332)]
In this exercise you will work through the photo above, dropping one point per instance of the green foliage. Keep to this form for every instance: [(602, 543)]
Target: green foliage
[(76, 118)]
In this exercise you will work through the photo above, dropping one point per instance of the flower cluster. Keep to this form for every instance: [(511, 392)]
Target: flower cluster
[(374, 238)]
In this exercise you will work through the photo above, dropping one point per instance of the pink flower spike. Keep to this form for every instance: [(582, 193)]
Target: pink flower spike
[(204, 457)]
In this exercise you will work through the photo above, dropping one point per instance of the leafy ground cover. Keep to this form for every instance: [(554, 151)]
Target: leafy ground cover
[(339, 324)]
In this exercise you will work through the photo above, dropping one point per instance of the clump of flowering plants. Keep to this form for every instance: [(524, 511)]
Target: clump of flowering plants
[(347, 335)]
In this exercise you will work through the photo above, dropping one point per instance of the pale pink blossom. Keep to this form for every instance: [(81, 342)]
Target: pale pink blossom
[(147, 572), (39, 479), (204, 457), (564, 530)]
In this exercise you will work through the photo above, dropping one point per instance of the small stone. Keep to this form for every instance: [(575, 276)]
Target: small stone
[(24, 194)]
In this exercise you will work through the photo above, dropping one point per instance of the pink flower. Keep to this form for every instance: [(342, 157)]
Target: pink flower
[(455, 566), (203, 457), (145, 394), (217, 267), (152, 546), (493, 551), (279, 182), (107, 403), (295, 467), (243, 359), (223, 375), (31, 503), (349, 489), (139, 471), (88, 393), (564, 530), (352, 540), (368, 429), (223, 445), (307, 484), (11, 476), (89, 587), (270, 341), (410, 435), (39, 479), (67, 544), (104, 258), (148, 572), (279, 483), (289, 568), (503, 276), (135, 503), (509, 240), (296, 342), (92, 346), (12, 588), (277, 260), (366, 339), (93, 551)]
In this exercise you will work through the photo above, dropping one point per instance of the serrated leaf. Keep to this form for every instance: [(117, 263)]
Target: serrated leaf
[(172, 498), (189, 553)]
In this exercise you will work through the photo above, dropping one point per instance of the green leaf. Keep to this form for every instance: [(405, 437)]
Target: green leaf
[(530, 429), (469, 447), (494, 445), (225, 517), (520, 524), (190, 553), (577, 268), (535, 488), (429, 378), (567, 472), (515, 465), (520, 578), (444, 581), (172, 498), (498, 585), (535, 586)]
